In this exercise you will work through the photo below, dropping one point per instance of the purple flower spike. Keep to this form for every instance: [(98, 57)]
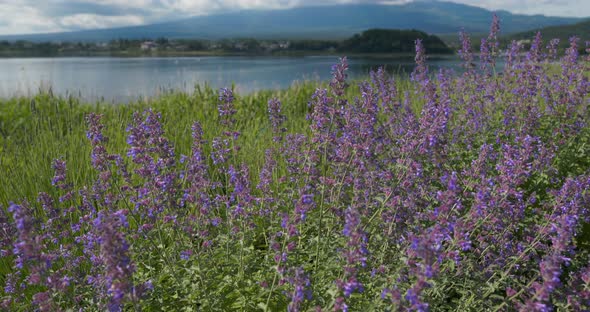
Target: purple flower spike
[(226, 107), (466, 52), (338, 84), (301, 292), (276, 118), (420, 73), (114, 257)]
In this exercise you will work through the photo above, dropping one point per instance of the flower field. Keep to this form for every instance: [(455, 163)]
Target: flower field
[(444, 192)]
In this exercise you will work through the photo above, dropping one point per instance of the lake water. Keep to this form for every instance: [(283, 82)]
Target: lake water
[(125, 79)]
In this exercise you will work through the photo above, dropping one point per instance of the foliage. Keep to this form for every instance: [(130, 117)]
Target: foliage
[(446, 192), (392, 41), (561, 32)]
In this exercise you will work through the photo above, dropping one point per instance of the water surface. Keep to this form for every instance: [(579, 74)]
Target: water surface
[(125, 79)]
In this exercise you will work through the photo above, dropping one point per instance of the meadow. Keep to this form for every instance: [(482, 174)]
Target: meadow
[(441, 191)]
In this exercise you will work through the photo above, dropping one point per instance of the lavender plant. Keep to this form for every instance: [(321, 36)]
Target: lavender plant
[(442, 192)]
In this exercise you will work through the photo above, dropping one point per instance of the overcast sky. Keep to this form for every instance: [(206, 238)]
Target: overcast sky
[(38, 16)]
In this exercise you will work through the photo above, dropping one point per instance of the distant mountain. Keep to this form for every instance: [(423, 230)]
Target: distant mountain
[(562, 32), (318, 22)]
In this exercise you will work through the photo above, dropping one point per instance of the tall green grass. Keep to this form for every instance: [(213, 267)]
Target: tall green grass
[(36, 130)]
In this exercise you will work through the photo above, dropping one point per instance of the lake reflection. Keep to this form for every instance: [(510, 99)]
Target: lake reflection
[(125, 79)]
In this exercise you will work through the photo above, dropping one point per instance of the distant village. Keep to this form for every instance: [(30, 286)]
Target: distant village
[(382, 41), (162, 46), (199, 45)]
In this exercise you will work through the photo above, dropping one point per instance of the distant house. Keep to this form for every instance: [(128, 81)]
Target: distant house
[(273, 46), (148, 46), (524, 41)]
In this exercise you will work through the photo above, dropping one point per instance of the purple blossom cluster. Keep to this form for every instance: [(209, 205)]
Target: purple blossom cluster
[(456, 192)]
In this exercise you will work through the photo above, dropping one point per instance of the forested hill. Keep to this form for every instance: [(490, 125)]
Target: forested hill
[(562, 32), (393, 41)]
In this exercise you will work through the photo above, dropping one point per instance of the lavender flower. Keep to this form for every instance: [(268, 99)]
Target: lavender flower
[(512, 56), (552, 49), (420, 73), (276, 118), (26, 246), (266, 174), (226, 107), (60, 174), (338, 83), (240, 197), (535, 54), (301, 292), (196, 173), (322, 116), (221, 151), (154, 156), (114, 257), (489, 46), (465, 52)]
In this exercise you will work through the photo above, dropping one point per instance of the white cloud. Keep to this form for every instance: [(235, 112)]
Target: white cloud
[(119, 3), (15, 17), (201, 7), (93, 21), (196, 7), (393, 2), (575, 8)]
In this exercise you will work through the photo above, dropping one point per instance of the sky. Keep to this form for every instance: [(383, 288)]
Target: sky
[(42, 16)]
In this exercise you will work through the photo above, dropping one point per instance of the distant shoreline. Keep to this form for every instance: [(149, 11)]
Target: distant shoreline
[(165, 54)]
